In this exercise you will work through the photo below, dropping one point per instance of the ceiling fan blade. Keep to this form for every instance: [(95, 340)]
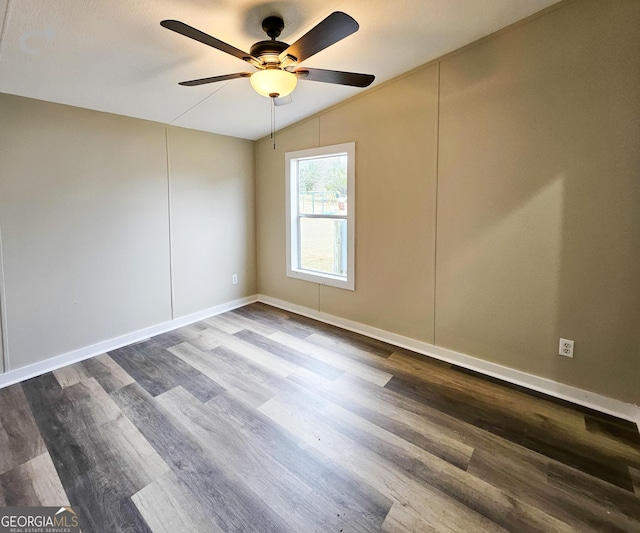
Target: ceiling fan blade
[(282, 100), (335, 76), (213, 79), (192, 33), (335, 27)]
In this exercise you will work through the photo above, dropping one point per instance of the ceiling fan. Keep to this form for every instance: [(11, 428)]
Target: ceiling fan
[(277, 62)]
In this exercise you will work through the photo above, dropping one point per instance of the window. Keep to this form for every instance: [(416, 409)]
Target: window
[(320, 214)]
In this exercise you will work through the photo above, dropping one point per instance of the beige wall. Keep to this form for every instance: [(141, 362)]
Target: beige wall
[(270, 215), (395, 136), (2, 324), (395, 182), (537, 232), (212, 219), (539, 204), (84, 215)]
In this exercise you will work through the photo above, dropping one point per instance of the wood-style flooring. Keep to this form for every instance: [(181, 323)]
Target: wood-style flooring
[(259, 420)]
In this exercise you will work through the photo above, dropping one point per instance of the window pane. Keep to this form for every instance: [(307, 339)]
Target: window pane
[(322, 185), (323, 245)]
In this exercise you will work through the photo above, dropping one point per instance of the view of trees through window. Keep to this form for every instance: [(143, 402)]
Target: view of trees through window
[(322, 189)]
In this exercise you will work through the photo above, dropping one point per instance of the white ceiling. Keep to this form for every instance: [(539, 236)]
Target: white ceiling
[(113, 55)]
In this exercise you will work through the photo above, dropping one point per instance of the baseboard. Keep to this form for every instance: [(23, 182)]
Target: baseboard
[(42, 367), (575, 395)]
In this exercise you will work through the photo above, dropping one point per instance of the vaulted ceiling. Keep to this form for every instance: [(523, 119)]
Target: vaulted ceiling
[(113, 55)]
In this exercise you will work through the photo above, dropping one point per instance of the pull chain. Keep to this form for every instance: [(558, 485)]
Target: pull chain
[(273, 118)]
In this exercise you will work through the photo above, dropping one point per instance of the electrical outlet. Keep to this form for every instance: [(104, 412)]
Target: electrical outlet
[(234, 279), (566, 348)]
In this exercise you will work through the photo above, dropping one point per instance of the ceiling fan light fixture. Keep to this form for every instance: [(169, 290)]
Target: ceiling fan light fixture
[(273, 82)]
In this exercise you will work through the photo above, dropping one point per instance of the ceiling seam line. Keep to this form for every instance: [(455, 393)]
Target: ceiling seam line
[(198, 103)]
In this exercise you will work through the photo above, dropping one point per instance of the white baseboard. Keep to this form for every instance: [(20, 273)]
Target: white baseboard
[(604, 404), (48, 365), (575, 395)]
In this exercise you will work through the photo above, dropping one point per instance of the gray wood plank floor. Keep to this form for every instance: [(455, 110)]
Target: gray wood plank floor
[(262, 420)]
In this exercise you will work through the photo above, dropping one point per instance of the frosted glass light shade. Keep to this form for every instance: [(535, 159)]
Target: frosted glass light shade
[(273, 82)]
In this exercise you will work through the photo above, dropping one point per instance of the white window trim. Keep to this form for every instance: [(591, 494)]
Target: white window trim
[(291, 209)]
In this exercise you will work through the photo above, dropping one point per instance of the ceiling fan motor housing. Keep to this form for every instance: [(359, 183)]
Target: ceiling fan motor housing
[(268, 51)]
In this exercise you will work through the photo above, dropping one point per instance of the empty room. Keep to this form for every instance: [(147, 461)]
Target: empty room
[(298, 266)]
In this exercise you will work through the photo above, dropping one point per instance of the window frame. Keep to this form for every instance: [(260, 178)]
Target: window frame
[(293, 216)]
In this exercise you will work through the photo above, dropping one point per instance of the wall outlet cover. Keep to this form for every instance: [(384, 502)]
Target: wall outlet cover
[(566, 347)]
